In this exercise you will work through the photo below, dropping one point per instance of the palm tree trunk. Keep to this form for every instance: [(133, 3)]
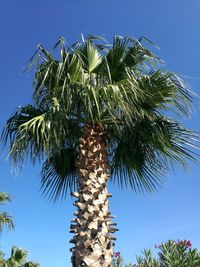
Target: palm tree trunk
[(92, 225)]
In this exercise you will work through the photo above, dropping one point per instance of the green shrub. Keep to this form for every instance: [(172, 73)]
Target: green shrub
[(169, 254), (178, 254)]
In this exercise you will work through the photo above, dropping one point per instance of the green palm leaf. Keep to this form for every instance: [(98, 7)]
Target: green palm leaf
[(58, 174), (144, 153), (5, 219), (4, 197)]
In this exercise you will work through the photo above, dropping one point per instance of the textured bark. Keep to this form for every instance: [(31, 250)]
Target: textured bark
[(92, 226)]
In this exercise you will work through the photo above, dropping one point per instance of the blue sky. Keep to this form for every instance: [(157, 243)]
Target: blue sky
[(174, 211)]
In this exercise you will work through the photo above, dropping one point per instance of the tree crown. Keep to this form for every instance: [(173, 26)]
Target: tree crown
[(118, 85)]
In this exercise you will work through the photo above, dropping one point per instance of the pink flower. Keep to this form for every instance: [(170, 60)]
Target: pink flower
[(179, 243), (116, 254), (185, 242)]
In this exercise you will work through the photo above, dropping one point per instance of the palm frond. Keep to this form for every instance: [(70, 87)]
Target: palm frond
[(58, 174), (26, 133), (32, 133), (6, 221), (128, 55), (4, 197), (166, 91), (143, 154), (89, 55)]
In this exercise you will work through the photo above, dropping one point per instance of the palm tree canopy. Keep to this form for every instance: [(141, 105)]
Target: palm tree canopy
[(18, 255), (119, 86), (18, 258)]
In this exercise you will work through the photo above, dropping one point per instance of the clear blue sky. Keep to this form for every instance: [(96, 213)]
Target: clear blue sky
[(173, 212)]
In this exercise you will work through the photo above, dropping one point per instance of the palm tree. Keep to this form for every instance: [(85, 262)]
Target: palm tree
[(100, 110), (18, 259), (5, 218)]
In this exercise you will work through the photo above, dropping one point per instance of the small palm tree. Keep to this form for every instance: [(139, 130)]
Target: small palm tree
[(5, 218), (100, 110), (18, 259)]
